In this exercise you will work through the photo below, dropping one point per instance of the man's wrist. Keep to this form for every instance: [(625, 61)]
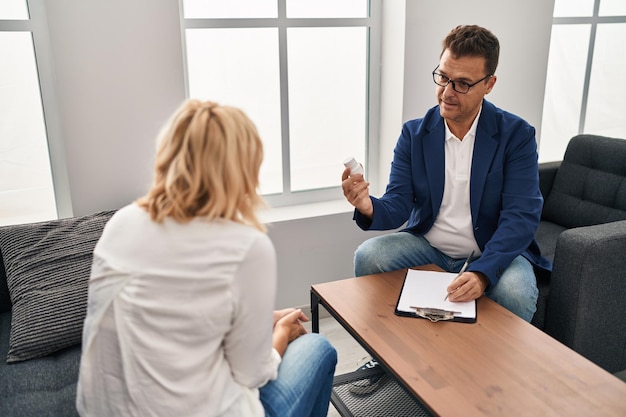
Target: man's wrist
[(484, 281)]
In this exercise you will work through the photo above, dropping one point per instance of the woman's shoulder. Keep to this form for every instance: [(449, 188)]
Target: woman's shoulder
[(227, 232), (125, 215), (241, 232)]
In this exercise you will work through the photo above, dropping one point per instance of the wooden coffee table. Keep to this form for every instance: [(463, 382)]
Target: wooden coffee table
[(498, 366)]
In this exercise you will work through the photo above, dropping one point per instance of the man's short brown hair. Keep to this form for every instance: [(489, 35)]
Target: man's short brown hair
[(473, 40)]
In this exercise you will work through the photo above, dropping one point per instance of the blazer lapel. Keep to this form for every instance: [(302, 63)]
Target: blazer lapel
[(433, 146), (485, 146)]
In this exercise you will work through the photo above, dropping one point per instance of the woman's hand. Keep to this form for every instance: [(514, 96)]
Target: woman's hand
[(279, 314), (287, 328)]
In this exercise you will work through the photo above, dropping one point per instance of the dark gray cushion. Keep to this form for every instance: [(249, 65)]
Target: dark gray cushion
[(43, 387), (590, 185), (546, 237), (47, 266)]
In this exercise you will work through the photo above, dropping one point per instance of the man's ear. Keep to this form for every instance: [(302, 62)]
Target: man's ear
[(491, 83)]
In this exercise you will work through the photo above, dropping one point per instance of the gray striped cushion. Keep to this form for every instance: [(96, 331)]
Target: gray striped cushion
[(48, 266)]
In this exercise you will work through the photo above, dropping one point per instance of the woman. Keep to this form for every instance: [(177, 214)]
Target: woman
[(180, 318)]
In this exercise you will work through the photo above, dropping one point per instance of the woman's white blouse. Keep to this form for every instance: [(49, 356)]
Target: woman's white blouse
[(179, 319)]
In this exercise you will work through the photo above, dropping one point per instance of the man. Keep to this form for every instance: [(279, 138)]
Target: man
[(465, 177)]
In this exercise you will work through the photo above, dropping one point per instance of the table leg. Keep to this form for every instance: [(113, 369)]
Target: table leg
[(315, 313)]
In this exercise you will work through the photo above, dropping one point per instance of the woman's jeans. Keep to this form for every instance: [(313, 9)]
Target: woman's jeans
[(516, 290), (304, 382)]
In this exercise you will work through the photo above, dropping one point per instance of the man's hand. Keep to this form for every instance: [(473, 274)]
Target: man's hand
[(467, 287), (356, 191)]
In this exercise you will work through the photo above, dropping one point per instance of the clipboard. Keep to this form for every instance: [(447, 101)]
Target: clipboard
[(423, 296)]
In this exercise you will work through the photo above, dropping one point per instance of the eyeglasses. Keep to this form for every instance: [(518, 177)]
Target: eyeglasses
[(458, 86)]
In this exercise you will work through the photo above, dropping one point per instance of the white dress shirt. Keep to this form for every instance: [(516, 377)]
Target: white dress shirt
[(453, 232), (179, 319)]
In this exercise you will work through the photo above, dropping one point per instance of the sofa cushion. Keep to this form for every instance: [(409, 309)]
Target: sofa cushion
[(590, 184), (43, 387), (546, 237), (47, 266)]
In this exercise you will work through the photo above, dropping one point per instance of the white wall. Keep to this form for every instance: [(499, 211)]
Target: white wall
[(119, 74), (313, 250)]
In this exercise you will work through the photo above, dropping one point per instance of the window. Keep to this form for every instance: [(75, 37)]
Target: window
[(584, 93), (26, 185), (302, 70)]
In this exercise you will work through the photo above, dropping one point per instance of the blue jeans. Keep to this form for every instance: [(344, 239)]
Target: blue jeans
[(516, 290), (304, 382)]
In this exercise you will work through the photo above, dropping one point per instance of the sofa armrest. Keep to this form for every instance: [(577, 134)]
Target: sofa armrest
[(585, 308), (547, 173)]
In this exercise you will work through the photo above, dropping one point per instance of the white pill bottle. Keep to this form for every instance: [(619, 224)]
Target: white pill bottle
[(355, 167)]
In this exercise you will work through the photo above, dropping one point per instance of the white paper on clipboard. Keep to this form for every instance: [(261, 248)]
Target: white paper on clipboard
[(427, 289)]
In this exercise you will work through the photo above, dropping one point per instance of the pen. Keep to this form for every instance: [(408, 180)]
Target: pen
[(463, 268)]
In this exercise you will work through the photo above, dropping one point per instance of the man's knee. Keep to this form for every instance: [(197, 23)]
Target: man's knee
[(366, 259), (390, 252), (517, 289)]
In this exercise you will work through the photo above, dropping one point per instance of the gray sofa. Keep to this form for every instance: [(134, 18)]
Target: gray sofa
[(44, 268), (583, 230)]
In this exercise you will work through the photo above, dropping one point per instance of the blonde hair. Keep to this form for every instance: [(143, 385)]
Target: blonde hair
[(207, 165)]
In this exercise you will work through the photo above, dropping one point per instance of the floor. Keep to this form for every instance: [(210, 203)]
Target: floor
[(350, 355)]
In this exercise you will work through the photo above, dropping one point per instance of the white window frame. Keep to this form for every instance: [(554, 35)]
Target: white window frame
[(37, 25), (373, 25), (594, 20)]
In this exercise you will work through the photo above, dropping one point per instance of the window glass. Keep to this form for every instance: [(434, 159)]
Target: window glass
[(573, 8), (612, 8), (564, 89), (607, 94), (327, 8), (304, 81), (26, 190), (327, 102), (239, 67), (196, 9), (13, 10)]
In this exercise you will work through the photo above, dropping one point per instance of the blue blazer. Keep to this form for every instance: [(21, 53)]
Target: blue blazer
[(505, 199)]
